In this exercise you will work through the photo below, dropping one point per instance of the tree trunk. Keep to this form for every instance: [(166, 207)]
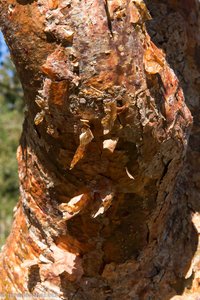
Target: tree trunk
[(108, 184)]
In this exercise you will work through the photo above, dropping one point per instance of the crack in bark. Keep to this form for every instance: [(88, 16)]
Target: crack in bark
[(165, 171), (33, 277), (108, 17)]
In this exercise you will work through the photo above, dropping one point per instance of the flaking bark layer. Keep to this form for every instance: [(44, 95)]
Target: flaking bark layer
[(103, 209)]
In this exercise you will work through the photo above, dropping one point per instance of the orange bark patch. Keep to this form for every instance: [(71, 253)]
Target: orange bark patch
[(154, 59)]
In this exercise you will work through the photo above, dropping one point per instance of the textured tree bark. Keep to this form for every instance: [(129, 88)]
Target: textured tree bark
[(108, 186)]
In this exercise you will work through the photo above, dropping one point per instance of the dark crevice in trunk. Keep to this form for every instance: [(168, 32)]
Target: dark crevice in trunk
[(165, 171), (108, 17)]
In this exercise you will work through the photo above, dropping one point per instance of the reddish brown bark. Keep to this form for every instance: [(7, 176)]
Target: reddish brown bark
[(105, 211)]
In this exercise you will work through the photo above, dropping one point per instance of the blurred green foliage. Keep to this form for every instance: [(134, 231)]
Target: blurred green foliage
[(11, 115)]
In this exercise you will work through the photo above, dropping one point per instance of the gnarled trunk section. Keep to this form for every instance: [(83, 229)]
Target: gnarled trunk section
[(104, 210)]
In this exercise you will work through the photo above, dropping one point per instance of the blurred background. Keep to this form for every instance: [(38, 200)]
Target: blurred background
[(11, 117)]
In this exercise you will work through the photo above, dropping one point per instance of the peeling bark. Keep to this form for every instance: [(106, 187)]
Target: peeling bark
[(108, 194)]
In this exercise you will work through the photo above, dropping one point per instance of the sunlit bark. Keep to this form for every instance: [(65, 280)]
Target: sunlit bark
[(108, 202)]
